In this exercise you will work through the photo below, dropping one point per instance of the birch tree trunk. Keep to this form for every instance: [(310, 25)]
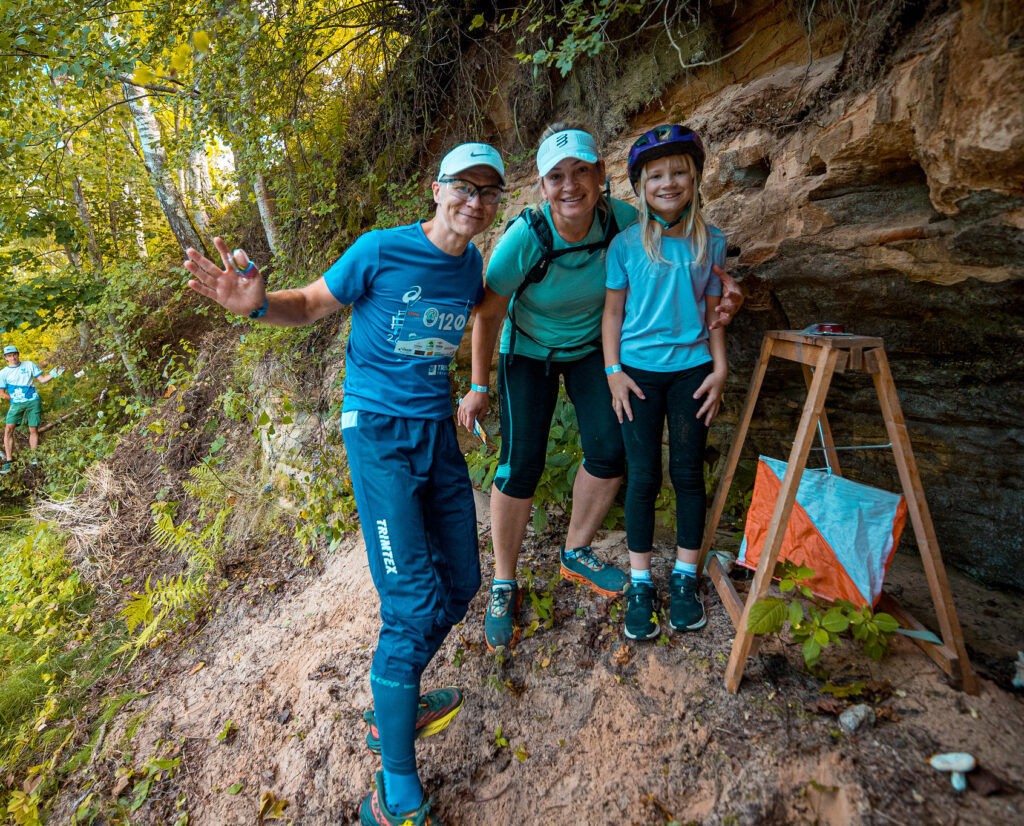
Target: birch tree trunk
[(266, 213), (137, 224), (155, 157), (198, 197)]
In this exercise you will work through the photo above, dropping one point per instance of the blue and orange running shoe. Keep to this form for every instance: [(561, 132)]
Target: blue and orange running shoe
[(500, 626), (581, 565), (373, 812), (437, 709)]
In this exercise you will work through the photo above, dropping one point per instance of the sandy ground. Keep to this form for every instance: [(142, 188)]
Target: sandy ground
[(598, 732)]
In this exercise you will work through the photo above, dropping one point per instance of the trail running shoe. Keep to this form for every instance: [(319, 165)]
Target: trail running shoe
[(6, 468), (373, 812), (437, 709), (500, 627), (580, 565), (686, 611), (641, 611)]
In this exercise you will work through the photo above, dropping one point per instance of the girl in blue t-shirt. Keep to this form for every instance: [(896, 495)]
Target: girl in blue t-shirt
[(663, 360)]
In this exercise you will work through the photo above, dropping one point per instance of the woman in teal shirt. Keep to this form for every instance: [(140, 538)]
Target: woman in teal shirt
[(552, 332)]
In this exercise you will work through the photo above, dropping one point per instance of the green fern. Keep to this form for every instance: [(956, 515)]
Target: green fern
[(169, 605), (201, 549)]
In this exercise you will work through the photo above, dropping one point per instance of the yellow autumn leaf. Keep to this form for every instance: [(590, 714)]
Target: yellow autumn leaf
[(143, 75), (270, 807), (179, 59), (201, 40)]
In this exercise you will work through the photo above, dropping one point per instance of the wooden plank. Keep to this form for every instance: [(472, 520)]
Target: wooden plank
[(726, 590), (943, 655), (801, 352), (824, 368), (732, 461), (826, 432), (838, 342), (920, 517)]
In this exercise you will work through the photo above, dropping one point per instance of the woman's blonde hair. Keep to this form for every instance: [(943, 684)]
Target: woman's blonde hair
[(564, 126), (696, 226)]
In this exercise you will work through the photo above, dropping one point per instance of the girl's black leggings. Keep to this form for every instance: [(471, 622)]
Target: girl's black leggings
[(671, 395)]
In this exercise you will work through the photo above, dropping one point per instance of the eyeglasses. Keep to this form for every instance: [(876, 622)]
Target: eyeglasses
[(464, 191)]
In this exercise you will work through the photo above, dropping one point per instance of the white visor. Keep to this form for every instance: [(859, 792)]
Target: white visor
[(572, 143), (467, 155)]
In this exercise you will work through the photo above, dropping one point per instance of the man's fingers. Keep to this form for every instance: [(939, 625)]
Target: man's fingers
[(207, 279), (202, 289), (225, 254)]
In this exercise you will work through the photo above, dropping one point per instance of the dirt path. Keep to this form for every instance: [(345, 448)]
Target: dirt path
[(597, 733)]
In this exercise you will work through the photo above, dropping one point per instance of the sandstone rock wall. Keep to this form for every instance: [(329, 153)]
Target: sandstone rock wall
[(897, 211)]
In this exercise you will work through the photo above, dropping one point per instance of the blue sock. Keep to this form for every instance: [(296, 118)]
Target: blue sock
[(395, 705), (636, 575), (403, 792), (685, 568), (503, 581)]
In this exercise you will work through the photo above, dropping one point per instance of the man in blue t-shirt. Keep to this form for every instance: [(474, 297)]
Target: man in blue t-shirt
[(412, 289), (17, 386)]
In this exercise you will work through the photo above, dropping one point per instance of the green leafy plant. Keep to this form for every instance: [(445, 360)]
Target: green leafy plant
[(815, 624)]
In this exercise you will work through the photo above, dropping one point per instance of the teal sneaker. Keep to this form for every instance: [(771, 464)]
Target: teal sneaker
[(437, 709), (641, 611), (6, 468), (500, 626), (373, 812), (580, 565), (685, 609)]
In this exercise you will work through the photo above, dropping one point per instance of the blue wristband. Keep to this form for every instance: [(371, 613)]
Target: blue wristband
[(612, 368), (480, 388), (262, 311)]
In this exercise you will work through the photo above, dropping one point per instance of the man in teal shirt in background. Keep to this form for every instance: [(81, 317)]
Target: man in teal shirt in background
[(17, 385)]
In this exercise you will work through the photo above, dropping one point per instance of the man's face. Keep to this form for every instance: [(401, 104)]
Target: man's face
[(12, 359), (467, 217)]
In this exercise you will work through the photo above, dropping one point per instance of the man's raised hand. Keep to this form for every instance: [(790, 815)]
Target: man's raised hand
[(231, 289)]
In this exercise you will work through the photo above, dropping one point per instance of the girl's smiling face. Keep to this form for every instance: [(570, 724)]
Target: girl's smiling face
[(669, 186)]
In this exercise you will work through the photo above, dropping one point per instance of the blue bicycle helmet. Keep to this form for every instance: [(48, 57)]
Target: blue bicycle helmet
[(660, 142)]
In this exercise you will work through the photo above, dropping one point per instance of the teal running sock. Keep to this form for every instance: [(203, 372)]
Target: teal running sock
[(685, 568), (395, 705), (636, 575), (503, 582), (402, 792)]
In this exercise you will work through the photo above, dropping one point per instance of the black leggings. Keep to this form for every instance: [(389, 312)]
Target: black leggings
[(668, 394), (527, 394)]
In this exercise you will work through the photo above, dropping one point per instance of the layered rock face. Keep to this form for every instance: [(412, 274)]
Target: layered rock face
[(898, 212)]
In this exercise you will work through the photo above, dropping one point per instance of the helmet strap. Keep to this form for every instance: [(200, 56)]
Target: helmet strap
[(669, 224)]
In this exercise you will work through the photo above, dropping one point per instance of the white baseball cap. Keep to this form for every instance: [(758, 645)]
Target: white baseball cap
[(570, 143), (467, 155)]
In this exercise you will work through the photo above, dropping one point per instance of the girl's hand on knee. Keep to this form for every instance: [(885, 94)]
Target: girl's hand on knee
[(621, 385), (711, 389)]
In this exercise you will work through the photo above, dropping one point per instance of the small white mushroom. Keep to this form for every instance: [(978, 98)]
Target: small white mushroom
[(957, 761), (959, 781)]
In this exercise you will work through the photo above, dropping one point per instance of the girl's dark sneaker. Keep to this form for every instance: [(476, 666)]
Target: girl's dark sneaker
[(641, 611), (437, 709), (581, 565), (373, 812), (686, 611), (500, 626)]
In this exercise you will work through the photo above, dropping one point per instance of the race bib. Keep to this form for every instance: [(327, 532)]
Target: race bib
[(429, 328)]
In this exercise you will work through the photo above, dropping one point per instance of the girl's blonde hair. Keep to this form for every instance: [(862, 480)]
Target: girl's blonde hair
[(696, 226)]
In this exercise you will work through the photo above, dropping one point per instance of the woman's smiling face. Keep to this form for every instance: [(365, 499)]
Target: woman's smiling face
[(573, 187)]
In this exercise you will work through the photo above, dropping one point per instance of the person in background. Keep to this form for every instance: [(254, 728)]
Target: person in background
[(664, 359), (412, 289), (17, 385)]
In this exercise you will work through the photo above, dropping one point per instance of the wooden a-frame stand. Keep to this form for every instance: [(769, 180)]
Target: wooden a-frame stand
[(821, 357)]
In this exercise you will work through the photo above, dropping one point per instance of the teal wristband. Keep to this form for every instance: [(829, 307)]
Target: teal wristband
[(262, 311), (612, 368), (480, 388)]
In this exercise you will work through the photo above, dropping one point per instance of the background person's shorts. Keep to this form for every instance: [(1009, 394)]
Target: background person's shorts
[(31, 413)]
